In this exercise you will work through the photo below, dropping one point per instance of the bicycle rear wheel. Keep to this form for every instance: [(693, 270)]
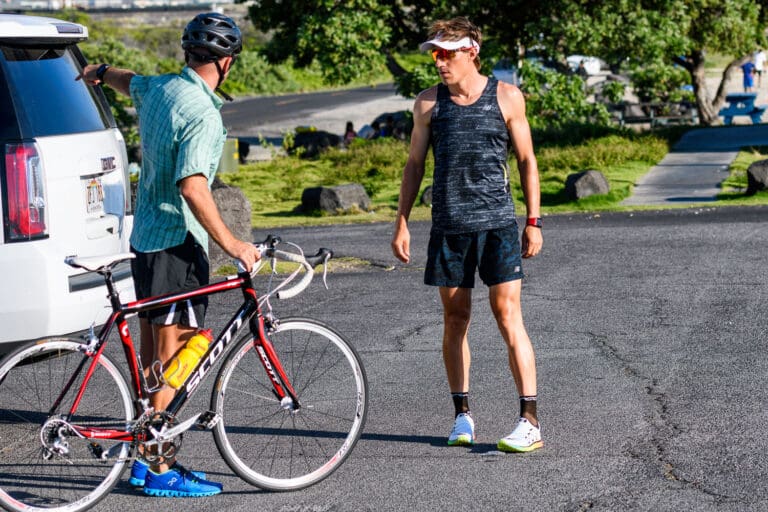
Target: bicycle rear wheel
[(276, 448), (44, 465)]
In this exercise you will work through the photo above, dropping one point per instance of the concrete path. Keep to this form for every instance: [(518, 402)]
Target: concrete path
[(693, 170)]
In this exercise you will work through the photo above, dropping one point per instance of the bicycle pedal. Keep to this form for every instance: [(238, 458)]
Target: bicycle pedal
[(207, 420)]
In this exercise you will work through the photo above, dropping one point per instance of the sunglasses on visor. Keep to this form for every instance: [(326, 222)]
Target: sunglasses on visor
[(446, 54)]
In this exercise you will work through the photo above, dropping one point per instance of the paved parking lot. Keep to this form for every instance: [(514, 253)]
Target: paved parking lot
[(650, 341)]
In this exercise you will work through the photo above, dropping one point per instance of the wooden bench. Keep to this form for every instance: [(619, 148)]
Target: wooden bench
[(742, 104)]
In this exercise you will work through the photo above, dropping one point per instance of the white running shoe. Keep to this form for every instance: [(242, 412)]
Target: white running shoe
[(525, 438), (463, 433)]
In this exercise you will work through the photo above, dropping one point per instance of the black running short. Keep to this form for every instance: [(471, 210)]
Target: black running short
[(179, 268), (453, 259)]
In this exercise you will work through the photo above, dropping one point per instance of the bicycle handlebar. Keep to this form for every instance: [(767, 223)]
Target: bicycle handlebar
[(268, 250)]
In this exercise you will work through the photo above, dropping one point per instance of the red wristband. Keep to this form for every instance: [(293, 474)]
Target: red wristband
[(533, 221)]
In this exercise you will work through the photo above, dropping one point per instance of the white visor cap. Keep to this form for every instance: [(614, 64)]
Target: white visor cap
[(436, 42)]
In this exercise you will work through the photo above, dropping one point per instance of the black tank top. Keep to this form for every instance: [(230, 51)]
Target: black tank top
[(470, 144)]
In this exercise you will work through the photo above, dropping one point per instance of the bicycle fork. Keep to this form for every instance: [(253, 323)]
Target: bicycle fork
[(282, 387)]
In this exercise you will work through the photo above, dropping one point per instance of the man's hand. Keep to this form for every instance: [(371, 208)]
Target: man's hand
[(532, 241), (89, 74), (401, 244), (246, 252)]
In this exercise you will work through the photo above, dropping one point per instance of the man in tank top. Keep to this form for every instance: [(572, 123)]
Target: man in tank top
[(471, 121)]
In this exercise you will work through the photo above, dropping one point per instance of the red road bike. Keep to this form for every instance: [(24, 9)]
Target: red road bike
[(288, 404)]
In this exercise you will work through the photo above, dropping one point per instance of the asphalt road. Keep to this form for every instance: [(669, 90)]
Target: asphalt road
[(271, 116), (650, 339)]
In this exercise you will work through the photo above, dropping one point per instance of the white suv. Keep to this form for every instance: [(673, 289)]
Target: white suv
[(64, 183)]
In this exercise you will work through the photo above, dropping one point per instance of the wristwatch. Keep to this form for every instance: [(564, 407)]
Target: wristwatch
[(101, 70), (533, 221)]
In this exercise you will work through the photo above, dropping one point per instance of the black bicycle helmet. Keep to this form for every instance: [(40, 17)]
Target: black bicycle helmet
[(215, 32)]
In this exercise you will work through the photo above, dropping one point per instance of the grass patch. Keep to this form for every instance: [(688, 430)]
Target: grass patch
[(735, 185), (274, 188)]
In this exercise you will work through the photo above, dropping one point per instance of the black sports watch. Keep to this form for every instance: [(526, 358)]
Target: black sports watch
[(100, 72)]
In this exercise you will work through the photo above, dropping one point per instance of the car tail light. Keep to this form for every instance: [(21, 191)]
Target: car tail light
[(26, 213)]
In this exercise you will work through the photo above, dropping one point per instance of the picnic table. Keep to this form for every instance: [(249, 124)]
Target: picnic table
[(656, 113), (742, 104)]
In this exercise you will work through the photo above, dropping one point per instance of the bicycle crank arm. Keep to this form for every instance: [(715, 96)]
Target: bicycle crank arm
[(167, 434)]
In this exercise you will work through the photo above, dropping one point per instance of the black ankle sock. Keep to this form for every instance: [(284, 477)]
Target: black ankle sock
[(528, 409), (460, 402)]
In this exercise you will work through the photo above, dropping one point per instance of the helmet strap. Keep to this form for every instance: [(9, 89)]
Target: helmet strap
[(221, 79)]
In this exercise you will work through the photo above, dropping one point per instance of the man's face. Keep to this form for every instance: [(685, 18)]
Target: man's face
[(454, 65)]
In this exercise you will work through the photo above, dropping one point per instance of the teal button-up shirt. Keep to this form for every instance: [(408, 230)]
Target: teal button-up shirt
[(182, 134)]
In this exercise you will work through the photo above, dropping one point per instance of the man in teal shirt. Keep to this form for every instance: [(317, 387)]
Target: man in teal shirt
[(182, 136)]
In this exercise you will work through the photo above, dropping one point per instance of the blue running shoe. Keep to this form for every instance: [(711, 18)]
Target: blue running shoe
[(179, 483), (139, 472)]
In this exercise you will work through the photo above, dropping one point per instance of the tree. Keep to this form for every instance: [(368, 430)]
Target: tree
[(643, 33), (349, 36), (346, 37)]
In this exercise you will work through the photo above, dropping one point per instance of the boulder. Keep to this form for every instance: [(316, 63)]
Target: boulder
[(757, 177), (313, 142), (235, 210), (585, 184), (340, 198)]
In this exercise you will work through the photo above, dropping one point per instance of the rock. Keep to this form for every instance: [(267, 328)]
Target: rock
[(585, 184), (313, 142), (235, 210), (757, 177), (426, 196), (340, 198)]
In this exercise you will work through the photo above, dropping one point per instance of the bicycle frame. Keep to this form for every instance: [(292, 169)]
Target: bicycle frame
[(249, 312)]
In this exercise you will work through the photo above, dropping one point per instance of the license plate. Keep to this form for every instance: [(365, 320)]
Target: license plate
[(94, 196)]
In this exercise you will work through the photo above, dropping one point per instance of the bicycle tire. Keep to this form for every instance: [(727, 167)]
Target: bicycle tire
[(32, 478), (276, 449)]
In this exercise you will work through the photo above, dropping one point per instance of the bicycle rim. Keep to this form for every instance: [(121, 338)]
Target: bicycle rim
[(281, 450), (74, 478)]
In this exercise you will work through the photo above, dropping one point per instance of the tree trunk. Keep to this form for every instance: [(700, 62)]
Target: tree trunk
[(393, 66), (709, 108)]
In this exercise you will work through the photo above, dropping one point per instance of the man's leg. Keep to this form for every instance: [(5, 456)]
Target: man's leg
[(457, 310), (505, 304), (457, 306)]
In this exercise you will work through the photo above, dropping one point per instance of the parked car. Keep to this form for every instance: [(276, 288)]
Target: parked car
[(593, 65), (63, 183)]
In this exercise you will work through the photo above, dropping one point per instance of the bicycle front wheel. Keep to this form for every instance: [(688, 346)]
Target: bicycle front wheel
[(278, 448), (44, 464)]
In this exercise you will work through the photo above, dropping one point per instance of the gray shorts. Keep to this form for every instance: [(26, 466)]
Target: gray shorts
[(452, 259), (180, 268)]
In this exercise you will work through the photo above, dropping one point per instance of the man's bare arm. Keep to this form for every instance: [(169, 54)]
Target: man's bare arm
[(194, 189), (513, 107), (117, 78), (413, 173)]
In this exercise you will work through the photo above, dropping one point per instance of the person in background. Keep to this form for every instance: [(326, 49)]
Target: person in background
[(748, 68), (349, 133), (471, 121), (182, 137), (759, 59)]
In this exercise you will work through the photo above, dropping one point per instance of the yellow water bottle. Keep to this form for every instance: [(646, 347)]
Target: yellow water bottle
[(182, 365)]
